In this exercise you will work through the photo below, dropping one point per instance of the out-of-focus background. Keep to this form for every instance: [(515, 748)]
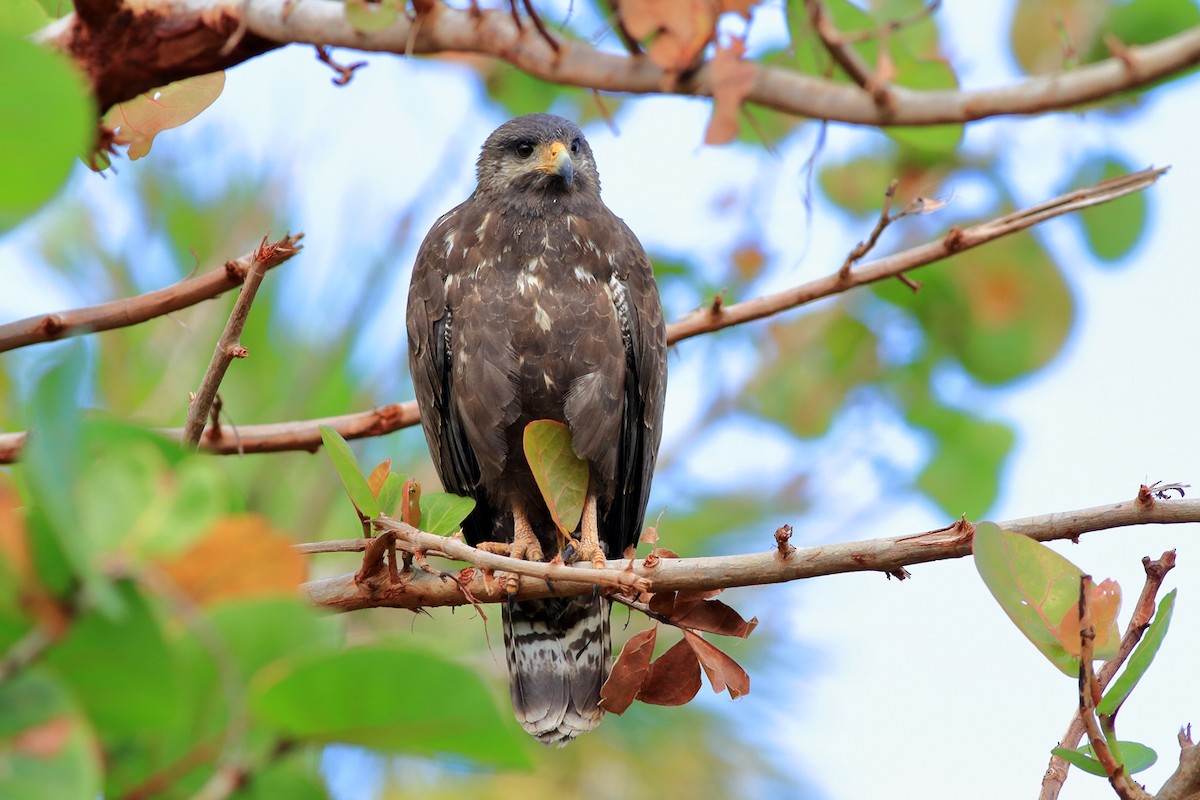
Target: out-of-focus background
[(1049, 371)]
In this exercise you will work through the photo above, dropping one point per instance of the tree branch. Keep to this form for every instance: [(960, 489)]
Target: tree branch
[(1143, 611), (419, 590), (134, 310), (127, 52), (229, 345), (305, 434)]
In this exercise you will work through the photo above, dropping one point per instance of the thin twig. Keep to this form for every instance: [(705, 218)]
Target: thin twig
[(844, 55), (229, 345), (134, 310), (1089, 696), (1143, 611), (345, 72), (891, 26), (721, 572), (862, 248)]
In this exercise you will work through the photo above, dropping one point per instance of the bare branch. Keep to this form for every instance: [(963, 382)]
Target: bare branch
[(956, 241), (1143, 611), (844, 55), (229, 345), (722, 572), (134, 310), (122, 65), (1184, 783), (305, 434)]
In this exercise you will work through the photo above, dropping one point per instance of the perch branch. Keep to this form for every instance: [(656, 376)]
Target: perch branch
[(1143, 611), (134, 310), (127, 52), (229, 345), (753, 569), (305, 434)]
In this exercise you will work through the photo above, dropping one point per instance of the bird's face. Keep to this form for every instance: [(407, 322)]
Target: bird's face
[(537, 155)]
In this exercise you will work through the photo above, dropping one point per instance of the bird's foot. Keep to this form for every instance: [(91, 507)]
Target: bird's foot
[(524, 547)]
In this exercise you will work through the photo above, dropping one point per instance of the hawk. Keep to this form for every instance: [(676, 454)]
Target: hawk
[(531, 301)]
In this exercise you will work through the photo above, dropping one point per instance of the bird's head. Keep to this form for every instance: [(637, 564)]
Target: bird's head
[(537, 156)]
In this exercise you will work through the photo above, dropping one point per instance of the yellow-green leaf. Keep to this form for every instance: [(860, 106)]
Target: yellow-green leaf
[(561, 475), (139, 120)]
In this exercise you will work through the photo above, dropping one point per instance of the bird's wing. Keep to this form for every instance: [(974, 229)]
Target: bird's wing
[(643, 332), (431, 330)]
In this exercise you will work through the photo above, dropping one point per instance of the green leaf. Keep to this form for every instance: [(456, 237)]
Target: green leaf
[(1044, 32), (1113, 229), (120, 669), (1003, 310), (21, 17), (351, 474), (46, 747), (51, 466), (443, 513), (925, 74), (389, 698), (561, 475), (293, 778), (816, 360), (858, 186), (963, 474), (390, 493), (259, 632), (371, 17), (1034, 585), (1141, 658), (48, 121), (1144, 22), (1137, 757)]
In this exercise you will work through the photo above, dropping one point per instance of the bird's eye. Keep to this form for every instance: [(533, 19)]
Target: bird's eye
[(575, 146), (524, 149)]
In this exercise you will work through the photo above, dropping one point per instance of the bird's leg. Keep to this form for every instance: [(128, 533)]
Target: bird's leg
[(589, 545), (524, 546)]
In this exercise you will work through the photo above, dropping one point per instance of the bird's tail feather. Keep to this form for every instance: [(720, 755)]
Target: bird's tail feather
[(559, 653)]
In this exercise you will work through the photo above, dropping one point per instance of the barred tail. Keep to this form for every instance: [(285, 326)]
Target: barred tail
[(559, 653)]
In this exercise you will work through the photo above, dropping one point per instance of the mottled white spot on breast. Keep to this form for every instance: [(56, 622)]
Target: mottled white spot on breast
[(584, 276), (449, 241), (532, 265), (528, 282), (541, 318), (549, 381)]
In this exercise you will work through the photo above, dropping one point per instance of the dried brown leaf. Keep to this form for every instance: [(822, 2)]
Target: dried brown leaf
[(240, 556), (410, 503), (650, 535), (732, 79), (723, 672), (674, 677), (662, 603), (712, 616), (681, 28), (629, 672)]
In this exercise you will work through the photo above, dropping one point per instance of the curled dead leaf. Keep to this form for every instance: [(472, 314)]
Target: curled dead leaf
[(673, 678), (629, 672), (723, 672), (732, 79)]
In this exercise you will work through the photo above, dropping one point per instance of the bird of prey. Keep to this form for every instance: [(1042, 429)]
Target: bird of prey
[(532, 301)]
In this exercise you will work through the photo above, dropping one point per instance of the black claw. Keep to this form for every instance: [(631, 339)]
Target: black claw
[(568, 554), (549, 585), (595, 591)]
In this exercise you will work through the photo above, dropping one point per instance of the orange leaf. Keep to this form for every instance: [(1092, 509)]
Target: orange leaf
[(732, 79), (681, 29), (239, 556), (45, 740), (410, 503), (722, 671), (378, 476), (629, 672), (673, 679), (139, 120), (14, 544), (1104, 602)]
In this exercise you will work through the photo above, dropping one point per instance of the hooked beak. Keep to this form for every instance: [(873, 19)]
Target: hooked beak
[(556, 160)]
